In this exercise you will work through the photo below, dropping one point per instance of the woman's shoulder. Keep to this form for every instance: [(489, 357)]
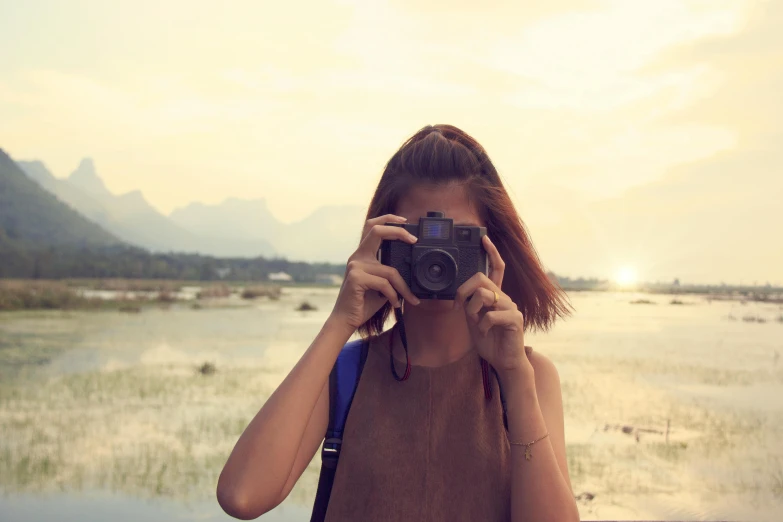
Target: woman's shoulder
[(548, 389), (545, 370)]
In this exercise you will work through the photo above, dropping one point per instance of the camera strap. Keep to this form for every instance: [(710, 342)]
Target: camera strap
[(400, 325), (485, 367)]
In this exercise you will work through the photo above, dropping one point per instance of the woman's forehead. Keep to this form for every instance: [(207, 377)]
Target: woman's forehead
[(450, 199)]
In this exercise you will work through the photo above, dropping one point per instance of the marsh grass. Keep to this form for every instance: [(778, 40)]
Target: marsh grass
[(20, 354), (206, 368), (715, 449), (130, 285), (129, 295), (777, 481), (672, 452), (254, 292), (657, 467), (20, 295), (30, 295), (165, 296), (166, 430), (214, 291), (161, 431)]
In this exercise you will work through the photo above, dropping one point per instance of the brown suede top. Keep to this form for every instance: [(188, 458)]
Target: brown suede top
[(431, 448)]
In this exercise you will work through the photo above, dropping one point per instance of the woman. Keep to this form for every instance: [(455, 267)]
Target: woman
[(431, 447)]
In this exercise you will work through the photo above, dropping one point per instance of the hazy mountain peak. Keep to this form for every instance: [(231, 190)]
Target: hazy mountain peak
[(37, 170), (239, 209), (230, 203), (4, 157), (86, 164), (134, 196), (33, 216), (352, 213), (259, 203), (86, 178)]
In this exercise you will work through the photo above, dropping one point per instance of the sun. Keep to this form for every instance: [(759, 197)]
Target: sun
[(626, 276)]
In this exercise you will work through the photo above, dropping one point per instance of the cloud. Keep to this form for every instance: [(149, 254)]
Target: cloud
[(749, 64), (710, 219), (601, 115)]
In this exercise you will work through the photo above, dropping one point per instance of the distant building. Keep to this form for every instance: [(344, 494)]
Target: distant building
[(329, 279), (222, 272), (280, 277)]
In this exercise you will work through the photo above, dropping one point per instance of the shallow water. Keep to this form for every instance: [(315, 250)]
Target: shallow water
[(103, 414)]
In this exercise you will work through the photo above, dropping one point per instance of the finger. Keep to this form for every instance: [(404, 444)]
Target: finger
[(485, 298), (372, 241), (495, 261), (393, 276), (379, 284), (507, 319), (481, 297), (381, 220), (469, 287)]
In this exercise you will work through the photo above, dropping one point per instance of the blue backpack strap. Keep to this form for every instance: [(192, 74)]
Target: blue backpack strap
[(342, 386), (343, 381)]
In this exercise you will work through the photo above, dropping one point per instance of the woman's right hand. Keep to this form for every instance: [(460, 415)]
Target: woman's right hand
[(368, 284)]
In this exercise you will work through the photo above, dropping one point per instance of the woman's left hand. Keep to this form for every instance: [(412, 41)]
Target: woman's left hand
[(496, 328)]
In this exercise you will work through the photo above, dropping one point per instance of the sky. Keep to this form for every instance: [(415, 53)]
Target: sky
[(637, 138)]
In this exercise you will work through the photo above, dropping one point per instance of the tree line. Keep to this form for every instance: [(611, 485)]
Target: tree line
[(123, 261)]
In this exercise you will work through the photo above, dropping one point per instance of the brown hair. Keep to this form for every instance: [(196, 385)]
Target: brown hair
[(440, 154)]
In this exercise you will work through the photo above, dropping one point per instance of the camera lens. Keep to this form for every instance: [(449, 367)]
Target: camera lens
[(435, 270)]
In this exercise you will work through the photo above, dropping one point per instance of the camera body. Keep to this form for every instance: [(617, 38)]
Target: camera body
[(444, 257)]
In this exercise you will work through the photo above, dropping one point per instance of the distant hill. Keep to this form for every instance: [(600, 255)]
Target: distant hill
[(86, 178), (43, 237), (330, 234), (31, 216), (68, 193), (130, 217), (234, 228), (237, 222)]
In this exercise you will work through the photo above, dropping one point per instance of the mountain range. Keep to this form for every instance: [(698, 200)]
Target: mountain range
[(697, 223), (42, 237), (31, 216), (233, 228)]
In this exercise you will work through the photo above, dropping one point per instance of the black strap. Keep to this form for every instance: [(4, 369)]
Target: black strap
[(400, 326), (502, 399), (329, 460)]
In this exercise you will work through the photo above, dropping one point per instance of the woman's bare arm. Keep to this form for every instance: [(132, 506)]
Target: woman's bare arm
[(282, 438), (540, 487)]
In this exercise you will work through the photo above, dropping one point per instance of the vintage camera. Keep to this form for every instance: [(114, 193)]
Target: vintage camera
[(444, 257)]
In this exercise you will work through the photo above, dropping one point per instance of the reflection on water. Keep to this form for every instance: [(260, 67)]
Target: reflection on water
[(102, 411)]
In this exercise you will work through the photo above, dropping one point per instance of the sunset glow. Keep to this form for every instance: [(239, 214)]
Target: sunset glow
[(597, 115), (626, 277)]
